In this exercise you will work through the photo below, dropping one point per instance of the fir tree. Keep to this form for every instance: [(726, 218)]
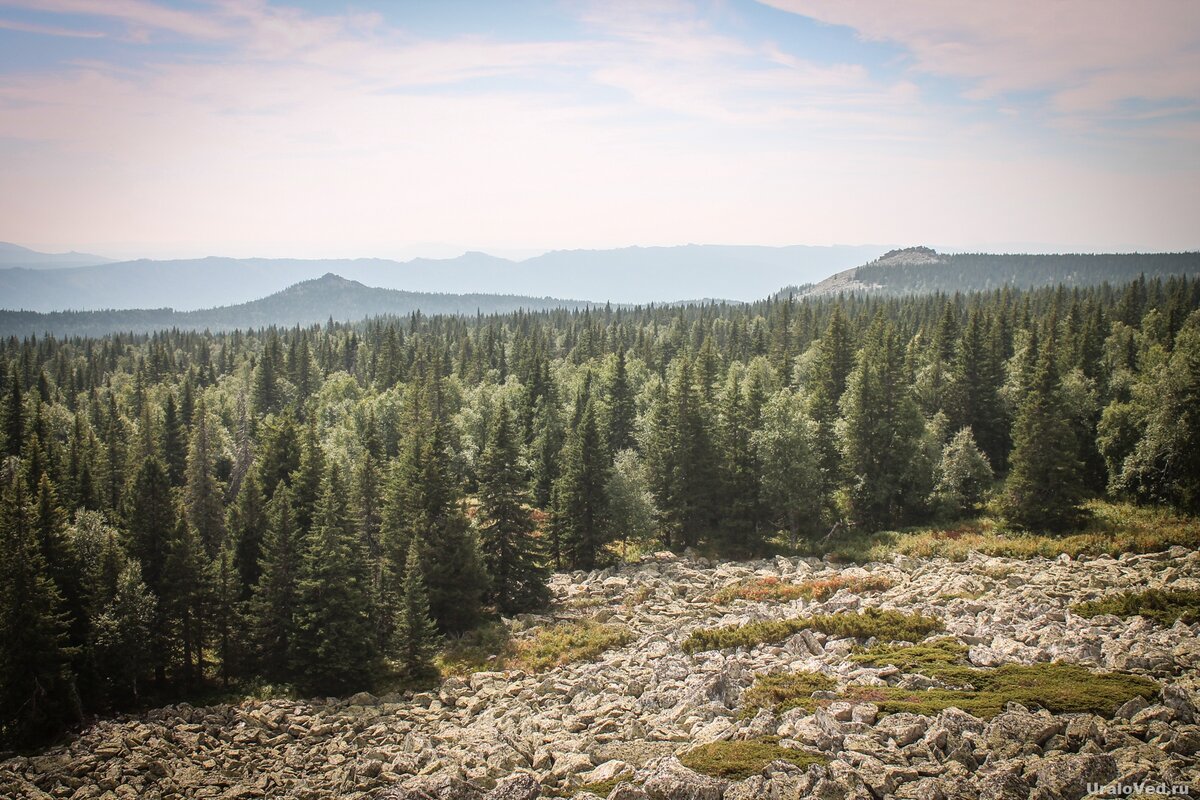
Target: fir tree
[(14, 410), (622, 411), (416, 635), (881, 434), (1164, 465), (306, 480), (335, 643), (581, 505), (273, 606), (507, 542), (247, 526), (37, 690), (1044, 490), (202, 493)]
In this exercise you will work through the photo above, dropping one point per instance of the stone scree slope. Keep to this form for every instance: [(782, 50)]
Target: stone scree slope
[(513, 735)]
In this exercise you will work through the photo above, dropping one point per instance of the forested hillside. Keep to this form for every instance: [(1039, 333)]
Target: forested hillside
[(305, 303), (315, 506), (921, 269)]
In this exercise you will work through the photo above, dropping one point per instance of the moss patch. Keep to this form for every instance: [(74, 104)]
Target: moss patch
[(600, 788), (738, 760), (567, 642), (1111, 529), (773, 589), (783, 691), (881, 624), (1060, 688), (1164, 606)]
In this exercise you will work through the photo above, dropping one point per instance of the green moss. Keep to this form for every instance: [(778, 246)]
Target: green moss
[(601, 788), (568, 642), (881, 624), (772, 589), (786, 690), (943, 659), (1060, 688), (741, 759), (1164, 606)]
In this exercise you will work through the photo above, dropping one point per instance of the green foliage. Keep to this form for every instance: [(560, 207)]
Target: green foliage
[(788, 456), (1044, 491), (334, 649), (716, 427), (416, 636), (783, 691), (1164, 465), (1164, 606), (274, 603), (962, 477), (737, 760), (772, 589), (506, 531), (581, 506), (881, 434), (37, 691), (1060, 688), (883, 624), (567, 642)]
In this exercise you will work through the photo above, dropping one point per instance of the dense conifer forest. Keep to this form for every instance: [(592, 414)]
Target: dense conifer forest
[(316, 506)]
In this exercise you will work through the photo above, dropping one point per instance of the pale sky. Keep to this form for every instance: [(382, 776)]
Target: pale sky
[(320, 129)]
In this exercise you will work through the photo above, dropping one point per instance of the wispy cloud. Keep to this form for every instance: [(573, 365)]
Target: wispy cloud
[(1086, 55), (48, 30), (245, 121)]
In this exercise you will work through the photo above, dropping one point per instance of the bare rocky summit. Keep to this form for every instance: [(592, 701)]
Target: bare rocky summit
[(622, 721)]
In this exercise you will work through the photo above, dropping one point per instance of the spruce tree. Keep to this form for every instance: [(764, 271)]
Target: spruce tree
[(272, 618), (174, 442), (202, 493), (1164, 465), (416, 636), (37, 690), (306, 480), (622, 411), (506, 531), (581, 505), (247, 526), (186, 601), (335, 646), (14, 415), (881, 434), (1044, 490)]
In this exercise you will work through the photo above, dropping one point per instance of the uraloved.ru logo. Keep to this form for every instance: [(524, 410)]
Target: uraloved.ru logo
[(1139, 789)]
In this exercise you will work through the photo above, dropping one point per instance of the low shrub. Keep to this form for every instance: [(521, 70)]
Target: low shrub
[(740, 759), (882, 624), (1059, 688), (1164, 606), (773, 589), (567, 642), (783, 691)]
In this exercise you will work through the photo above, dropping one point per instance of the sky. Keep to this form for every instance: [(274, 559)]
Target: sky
[(324, 129)]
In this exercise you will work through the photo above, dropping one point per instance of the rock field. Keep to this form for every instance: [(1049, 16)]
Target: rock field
[(625, 717)]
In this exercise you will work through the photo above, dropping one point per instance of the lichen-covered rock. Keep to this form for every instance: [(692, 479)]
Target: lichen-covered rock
[(673, 781)]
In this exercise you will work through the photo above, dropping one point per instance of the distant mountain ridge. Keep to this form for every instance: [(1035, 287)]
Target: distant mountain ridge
[(628, 275), (915, 270), (306, 303), (15, 256)]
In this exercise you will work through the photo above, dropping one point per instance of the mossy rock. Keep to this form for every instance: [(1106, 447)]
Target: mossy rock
[(1059, 688), (736, 760), (1164, 606), (885, 625), (783, 691)]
